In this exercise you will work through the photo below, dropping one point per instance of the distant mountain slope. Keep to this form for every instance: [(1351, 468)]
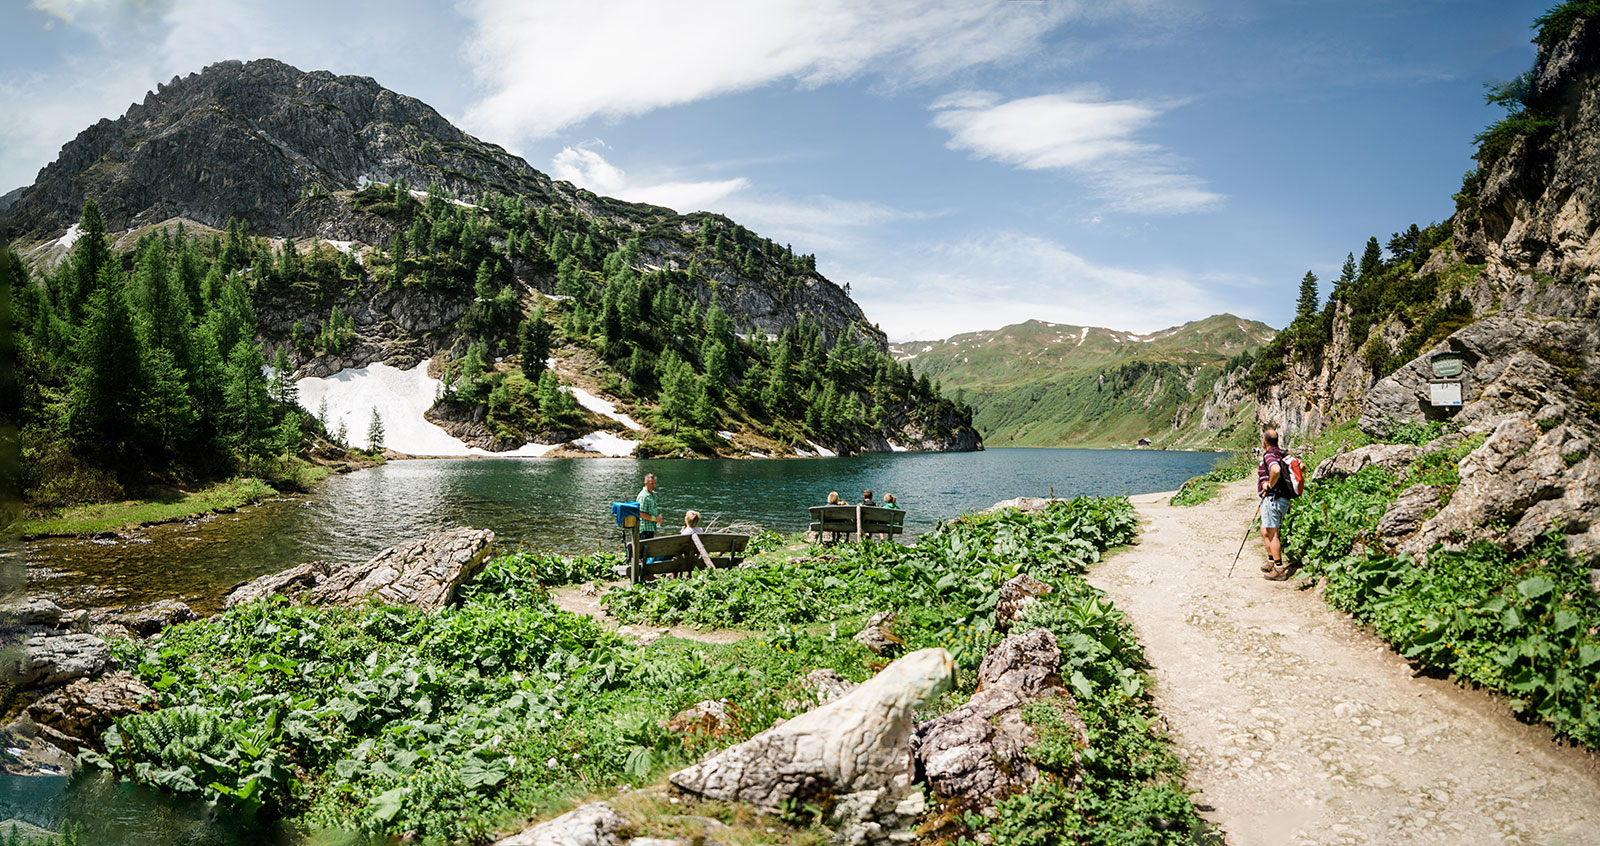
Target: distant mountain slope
[(1053, 384)]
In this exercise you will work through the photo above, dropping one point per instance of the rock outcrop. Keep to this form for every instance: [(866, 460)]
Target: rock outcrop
[(1527, 479), (594, 824), (1016, 595), (857, 744), (425, 572), (50, 660), (878, 635), (978, 753), (146, 620), (77, 716)]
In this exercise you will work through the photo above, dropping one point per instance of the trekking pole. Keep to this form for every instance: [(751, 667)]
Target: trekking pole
[(1245, 539)]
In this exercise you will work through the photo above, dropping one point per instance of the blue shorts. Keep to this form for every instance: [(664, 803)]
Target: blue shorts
[(1273, 510)]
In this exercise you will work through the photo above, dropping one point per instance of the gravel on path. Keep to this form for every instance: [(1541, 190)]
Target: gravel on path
[(1301, 727)]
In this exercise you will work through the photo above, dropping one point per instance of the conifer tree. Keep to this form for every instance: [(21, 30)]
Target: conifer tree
[(1371, 260), (248, 409), (533, 344), (91, 254), (375, 431), (108, 384)]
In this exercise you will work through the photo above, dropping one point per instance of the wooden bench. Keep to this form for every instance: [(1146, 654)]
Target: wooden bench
[(863, 521), (682, 553)]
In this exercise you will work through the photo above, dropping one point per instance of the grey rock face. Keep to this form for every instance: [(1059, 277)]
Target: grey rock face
[(76, 716), (47, 661), (1529, 479), (425, 572), (977, 753), (1414, 505), (594, 824), (1392, 457), (1016, 595), (146, 620), (33, 613), (860, 742)]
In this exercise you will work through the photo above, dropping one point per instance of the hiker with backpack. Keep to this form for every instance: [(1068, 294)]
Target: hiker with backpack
[(1279, 479)]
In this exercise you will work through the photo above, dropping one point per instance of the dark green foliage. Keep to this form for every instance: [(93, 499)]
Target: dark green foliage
[(153, 375), (1557, 23)]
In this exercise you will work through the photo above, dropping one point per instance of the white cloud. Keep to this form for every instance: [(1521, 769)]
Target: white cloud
[(1080, 132), (812, 224), (585, 167), (549, 65), (984, 282)]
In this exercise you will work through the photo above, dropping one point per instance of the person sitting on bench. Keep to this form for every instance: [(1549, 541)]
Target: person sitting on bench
[(691, 524), (866, 499), (889, 502)]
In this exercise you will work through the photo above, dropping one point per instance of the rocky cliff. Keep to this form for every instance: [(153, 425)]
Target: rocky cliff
[(1515, 293)]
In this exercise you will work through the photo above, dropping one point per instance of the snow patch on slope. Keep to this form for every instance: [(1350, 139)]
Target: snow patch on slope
[(604, 408), (401, 398)]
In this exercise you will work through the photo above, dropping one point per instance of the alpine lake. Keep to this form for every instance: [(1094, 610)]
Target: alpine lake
[(557, 505)]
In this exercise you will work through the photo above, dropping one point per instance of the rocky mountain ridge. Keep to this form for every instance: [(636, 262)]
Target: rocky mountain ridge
[(281, 150)]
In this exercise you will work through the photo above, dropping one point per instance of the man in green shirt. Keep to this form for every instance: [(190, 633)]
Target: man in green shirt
[(648, 512)]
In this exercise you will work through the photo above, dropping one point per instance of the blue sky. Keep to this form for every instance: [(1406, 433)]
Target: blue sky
[(961, 165)]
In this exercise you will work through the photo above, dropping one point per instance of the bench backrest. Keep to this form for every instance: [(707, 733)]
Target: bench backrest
[(873, 517), (670, 546)]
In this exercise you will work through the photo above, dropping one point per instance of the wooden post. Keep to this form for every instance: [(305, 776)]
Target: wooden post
[(861, 537), (701, 548), (635, 560)]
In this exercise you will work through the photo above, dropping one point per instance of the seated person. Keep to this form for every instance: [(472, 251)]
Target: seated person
[(833, 498), (691, 524), (866, 498), (889, 502)]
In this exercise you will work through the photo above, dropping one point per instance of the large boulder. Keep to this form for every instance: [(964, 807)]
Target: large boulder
[(1391, 457), (594, 824), (50, 660), (290, 582), (1529, 479), (32, 613), (78, 715), (1414, 505), (425, 572), (978, 753), (860, 743), (146, 620)]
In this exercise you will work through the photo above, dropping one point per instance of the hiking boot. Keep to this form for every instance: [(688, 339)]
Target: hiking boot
[(1269, 565), (1277, 574)]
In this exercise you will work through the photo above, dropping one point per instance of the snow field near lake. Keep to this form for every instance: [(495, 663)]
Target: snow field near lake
[(401, 398)]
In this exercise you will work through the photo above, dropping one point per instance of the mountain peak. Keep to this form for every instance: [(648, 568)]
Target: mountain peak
[(251, 141)]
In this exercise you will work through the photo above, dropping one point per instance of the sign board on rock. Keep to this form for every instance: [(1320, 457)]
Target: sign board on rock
[(1445, 393)]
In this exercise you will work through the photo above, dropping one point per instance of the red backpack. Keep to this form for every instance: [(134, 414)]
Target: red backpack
[(1291, 477)]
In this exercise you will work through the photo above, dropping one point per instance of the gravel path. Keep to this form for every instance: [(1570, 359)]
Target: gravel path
[(1300, 727)]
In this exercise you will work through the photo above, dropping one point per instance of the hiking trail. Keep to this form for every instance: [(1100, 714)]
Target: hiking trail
[(1300, 727)]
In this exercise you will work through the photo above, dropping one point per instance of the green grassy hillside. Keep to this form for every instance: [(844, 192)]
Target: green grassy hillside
[(1052, 384)]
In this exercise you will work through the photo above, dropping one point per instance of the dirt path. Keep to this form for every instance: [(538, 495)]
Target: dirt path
[(1300, 727), (586, 601)]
